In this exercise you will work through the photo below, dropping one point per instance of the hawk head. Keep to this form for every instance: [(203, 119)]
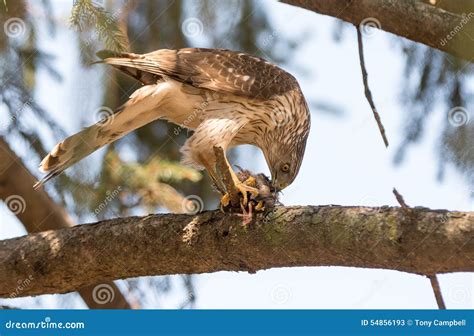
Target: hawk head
[(284, 158), (285, 140)]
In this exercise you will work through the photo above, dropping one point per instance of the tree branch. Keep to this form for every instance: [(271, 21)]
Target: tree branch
[(437, 291), (429, 242), (38, 212), (433, 277), (367, 92), (412, 19)]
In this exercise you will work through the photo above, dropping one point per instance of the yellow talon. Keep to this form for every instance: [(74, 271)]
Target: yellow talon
[(251, 181), (244, 189), (225, 199), (260, 206)]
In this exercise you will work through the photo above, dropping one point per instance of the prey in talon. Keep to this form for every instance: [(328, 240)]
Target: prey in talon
[(264, 199), (228, 98)]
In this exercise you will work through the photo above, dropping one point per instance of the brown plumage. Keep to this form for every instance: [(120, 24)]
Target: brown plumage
[(228, 98), (214, 69)]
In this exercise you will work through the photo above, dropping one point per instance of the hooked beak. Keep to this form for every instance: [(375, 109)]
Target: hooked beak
[(275, 182), (276, 186)]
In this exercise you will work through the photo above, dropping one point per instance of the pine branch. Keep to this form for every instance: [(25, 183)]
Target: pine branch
[(436, 241), (85, 14), (414, 20), (38, 212)]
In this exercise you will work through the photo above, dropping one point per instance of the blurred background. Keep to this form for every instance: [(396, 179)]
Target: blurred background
[(49, 90)]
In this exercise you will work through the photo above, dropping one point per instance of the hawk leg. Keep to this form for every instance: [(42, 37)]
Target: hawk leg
[(212, 174), (233, 185), (247, 186)]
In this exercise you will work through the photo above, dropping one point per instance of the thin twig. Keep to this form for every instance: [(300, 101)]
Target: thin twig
[(402, 202), (368, 93), (437, 291), (433, 278), (224, 172)]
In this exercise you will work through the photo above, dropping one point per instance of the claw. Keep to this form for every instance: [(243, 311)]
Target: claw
[(260, 206), (244, 189), (225, 200), (247, 216), (251, 181)]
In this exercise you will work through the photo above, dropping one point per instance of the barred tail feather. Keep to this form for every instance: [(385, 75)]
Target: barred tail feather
[(141, 109), (135, 68), (68, 152)]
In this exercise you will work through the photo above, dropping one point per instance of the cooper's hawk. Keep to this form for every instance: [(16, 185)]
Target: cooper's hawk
[(228, 98)]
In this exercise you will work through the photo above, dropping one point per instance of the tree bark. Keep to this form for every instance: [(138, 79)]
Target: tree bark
[(415, 20), (458, 6), (422, 241), (38, 212)]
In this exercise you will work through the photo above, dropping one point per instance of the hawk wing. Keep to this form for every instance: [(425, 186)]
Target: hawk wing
[(219, 70)]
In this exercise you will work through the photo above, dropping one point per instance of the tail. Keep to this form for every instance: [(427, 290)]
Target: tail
[(141, 109), (134, 65)]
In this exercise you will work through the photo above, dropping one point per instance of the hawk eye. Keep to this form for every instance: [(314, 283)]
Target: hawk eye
[(285, 168)]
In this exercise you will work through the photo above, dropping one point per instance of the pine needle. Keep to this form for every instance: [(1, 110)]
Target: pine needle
[(85, 15)]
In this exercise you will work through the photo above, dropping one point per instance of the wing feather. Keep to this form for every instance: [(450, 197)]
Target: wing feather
[(214, 69)]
